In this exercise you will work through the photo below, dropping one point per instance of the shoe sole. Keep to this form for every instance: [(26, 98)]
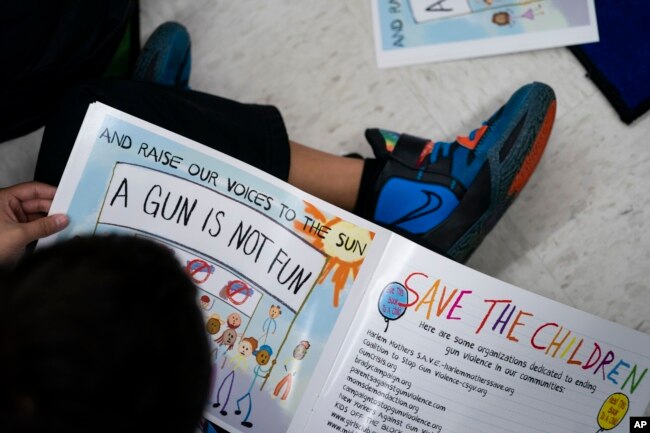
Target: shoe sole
[(524, 155)]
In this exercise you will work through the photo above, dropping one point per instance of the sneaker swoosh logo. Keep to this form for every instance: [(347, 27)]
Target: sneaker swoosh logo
[(432, 203)]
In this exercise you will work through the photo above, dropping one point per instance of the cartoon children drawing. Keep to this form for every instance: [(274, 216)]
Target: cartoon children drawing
[(213, 325), (233, 320), (227, 339), (299, 353), (239, 361), (274, 313), (262, 357), (204, 302), (501, 18), (509, 18)]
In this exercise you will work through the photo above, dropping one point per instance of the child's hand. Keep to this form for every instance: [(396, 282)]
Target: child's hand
[(23, 210)]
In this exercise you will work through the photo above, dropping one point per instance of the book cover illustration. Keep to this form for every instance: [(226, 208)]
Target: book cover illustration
[(417, 31), (272, 269)]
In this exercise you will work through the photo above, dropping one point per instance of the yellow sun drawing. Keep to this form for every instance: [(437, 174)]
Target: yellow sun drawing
[(345, 244)]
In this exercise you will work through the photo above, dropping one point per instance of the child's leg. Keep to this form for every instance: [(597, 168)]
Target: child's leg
[(229, 378), (332, 178), (285, 380), (251, 133), (245, 421), (445, 196), (287, 389), (243, 397)]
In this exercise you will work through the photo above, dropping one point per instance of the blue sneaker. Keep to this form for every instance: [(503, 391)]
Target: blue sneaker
[(447, 196), (166, 58)]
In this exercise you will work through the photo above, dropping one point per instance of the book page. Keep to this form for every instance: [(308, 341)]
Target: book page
[(438, 347), (273, 265), (417, 31)]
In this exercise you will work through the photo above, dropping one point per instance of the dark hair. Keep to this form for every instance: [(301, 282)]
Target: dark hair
[(101, 334)]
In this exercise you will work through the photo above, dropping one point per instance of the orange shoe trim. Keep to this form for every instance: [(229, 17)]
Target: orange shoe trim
[(469, 143), (535, 154)]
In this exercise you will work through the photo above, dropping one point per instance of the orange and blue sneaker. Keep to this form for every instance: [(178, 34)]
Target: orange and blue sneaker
[(447, 196)]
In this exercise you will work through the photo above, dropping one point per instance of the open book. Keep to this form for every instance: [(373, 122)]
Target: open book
[(320, 321)]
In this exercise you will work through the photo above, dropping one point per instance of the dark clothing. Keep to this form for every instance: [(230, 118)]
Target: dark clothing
[(47, 47), (254, 134)]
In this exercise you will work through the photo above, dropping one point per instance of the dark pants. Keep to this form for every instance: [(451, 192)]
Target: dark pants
[(50, 45), (254, 134)]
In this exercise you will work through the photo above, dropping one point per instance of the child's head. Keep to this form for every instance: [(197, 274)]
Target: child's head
[(233, 320), (300, 350), (101, 334), (228, 338), (501, 18), (247, 346), (213, 324), (263, 355), (274, 311)]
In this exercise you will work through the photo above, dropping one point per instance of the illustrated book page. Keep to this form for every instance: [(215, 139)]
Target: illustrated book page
[(419, 31), (273, 265), (438, 347), (321, 321)]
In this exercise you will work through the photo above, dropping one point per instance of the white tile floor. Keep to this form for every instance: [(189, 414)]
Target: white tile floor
[(579, 232)]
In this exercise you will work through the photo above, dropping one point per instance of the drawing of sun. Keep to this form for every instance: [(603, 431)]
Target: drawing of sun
[(345, 245)]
